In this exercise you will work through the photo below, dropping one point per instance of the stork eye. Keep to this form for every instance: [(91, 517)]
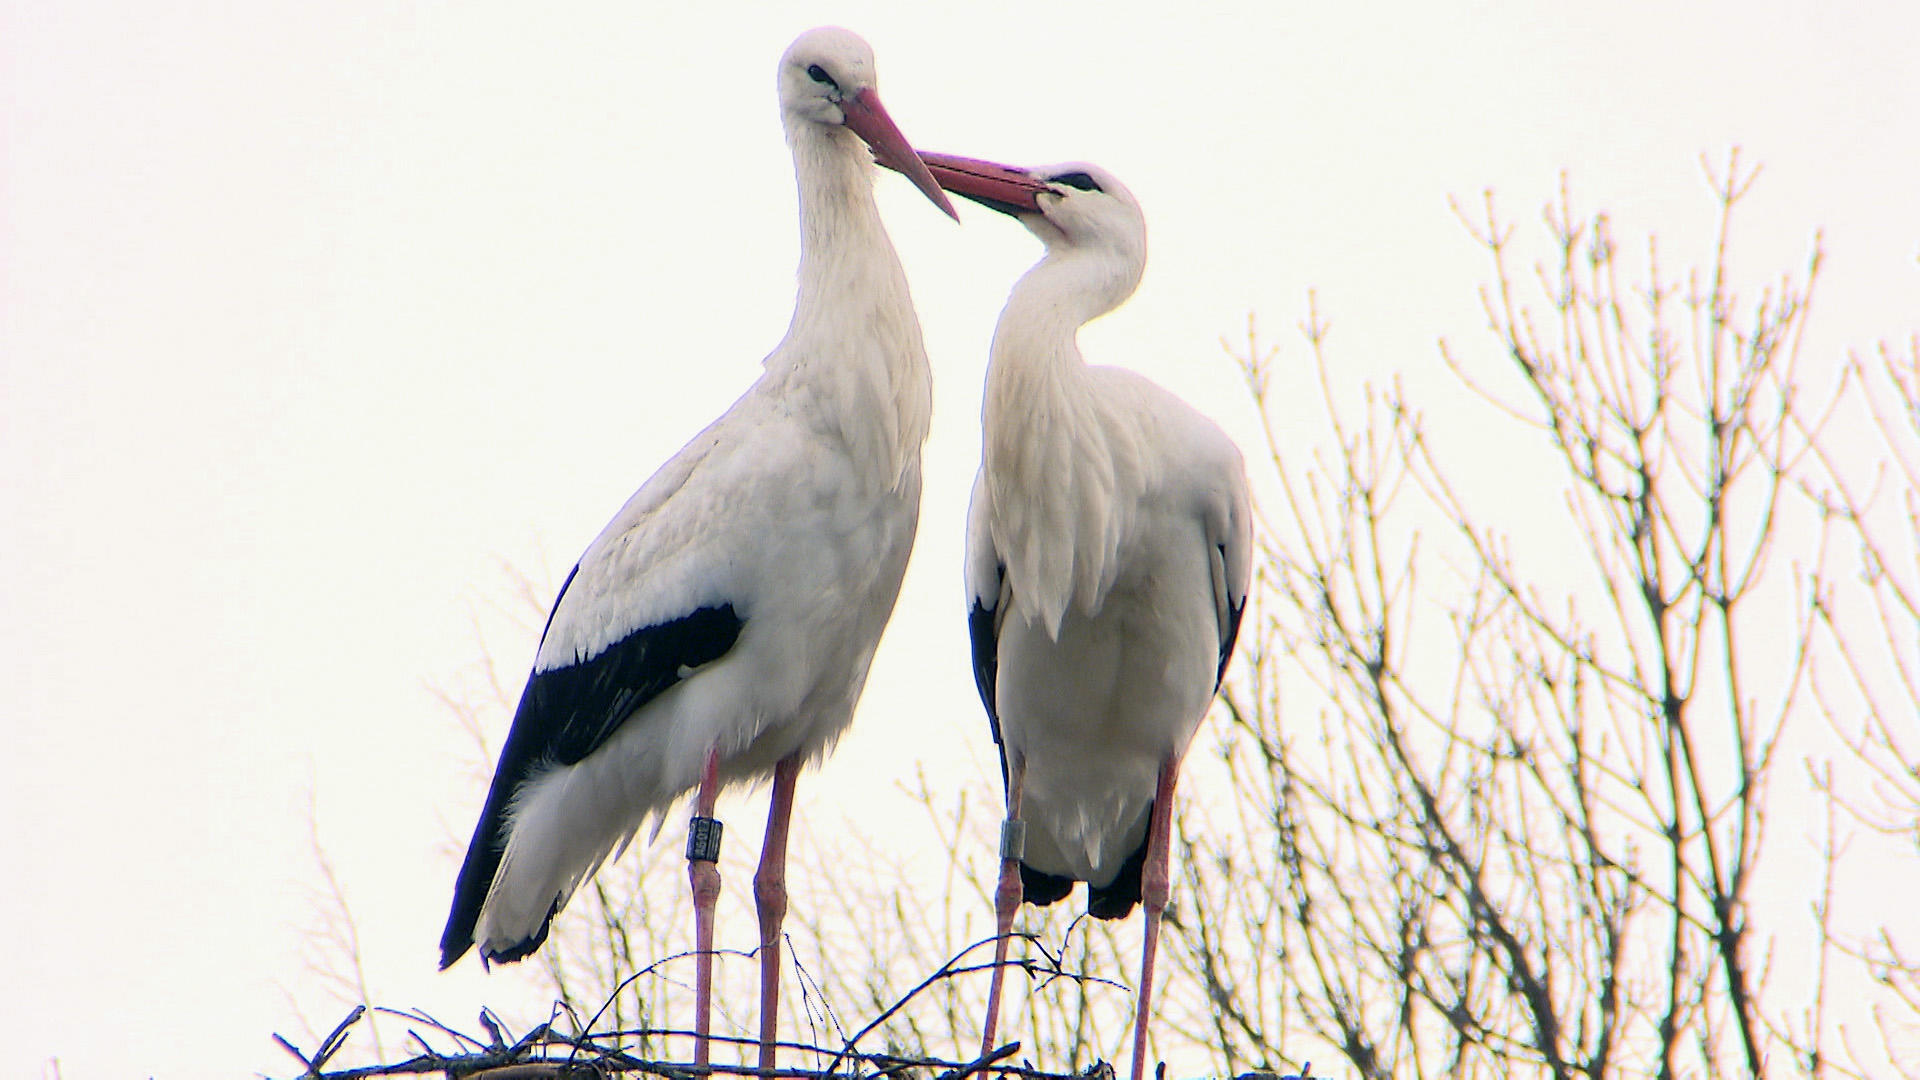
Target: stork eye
[(819, 74), (1077, 180)]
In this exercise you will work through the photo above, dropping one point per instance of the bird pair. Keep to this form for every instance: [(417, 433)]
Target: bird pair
[(721, 627)]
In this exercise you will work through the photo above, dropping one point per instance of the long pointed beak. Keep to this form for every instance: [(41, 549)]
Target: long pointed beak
[(998, 187), (867, 118)]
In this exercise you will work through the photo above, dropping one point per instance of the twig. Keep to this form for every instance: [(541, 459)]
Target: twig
[(545, 1052)]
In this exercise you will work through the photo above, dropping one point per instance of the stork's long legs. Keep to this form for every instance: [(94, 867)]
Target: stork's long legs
[(1155, 886), (770, 899), (1009, 893), (703, 874)]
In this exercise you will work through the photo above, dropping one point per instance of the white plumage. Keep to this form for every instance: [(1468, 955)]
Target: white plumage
[(1124, 582), (725, 619), (1109, 547)]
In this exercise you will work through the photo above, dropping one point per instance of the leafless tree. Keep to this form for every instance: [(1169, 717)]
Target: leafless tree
[(1508, 753), (1866, 610)]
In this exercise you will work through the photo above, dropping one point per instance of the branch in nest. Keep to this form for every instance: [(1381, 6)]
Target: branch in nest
[(545, 1052)]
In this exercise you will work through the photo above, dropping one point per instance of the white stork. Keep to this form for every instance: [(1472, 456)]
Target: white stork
[(1108, 551), (720, 628)]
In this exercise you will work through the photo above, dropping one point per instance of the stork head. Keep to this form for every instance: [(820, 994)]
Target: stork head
[(827, 78), (1072, 207)]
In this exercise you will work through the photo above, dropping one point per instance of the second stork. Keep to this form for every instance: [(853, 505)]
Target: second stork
[(1108, 550)]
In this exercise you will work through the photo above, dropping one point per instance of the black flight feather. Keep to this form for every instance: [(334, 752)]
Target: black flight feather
[(566, 713), (982, 629), (1116, 899), (1234, 611), (1040, 888)]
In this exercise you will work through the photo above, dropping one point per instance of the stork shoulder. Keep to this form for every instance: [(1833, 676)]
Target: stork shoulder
[(1181, 449), (671, 549)]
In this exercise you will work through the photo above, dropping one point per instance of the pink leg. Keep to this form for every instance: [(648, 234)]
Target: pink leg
[(770, 897), (1155, 886), (704, 876), (1007, 896)]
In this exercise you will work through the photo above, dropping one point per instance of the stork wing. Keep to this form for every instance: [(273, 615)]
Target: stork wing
[(1230, 532), (640, 612), (567, 712), (987, 596)]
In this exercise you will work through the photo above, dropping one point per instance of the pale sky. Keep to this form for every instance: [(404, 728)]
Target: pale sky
[(313, 316)]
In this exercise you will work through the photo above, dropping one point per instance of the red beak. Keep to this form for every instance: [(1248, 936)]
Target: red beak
[(997, 187), (867, 118)]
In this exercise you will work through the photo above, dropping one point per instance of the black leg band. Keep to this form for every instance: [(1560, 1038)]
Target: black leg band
[(703, 839)]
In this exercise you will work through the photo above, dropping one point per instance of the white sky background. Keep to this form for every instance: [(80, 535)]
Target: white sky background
[(312, 316)]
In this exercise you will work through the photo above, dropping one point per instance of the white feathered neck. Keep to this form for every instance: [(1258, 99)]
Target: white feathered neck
[(1064, 460), (854, 345)]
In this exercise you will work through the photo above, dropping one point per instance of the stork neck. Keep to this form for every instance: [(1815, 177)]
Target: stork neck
[(1034, 348), (854, 347), (1063, 292), (1057, 459), (844, 249), (1036, 404)]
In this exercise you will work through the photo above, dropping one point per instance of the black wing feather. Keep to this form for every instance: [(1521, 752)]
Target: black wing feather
[(983, 628), (1234, 611), (566, 713), (1116, 899)]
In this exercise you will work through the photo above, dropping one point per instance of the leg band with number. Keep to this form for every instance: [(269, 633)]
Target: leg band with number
[(703, 839)]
